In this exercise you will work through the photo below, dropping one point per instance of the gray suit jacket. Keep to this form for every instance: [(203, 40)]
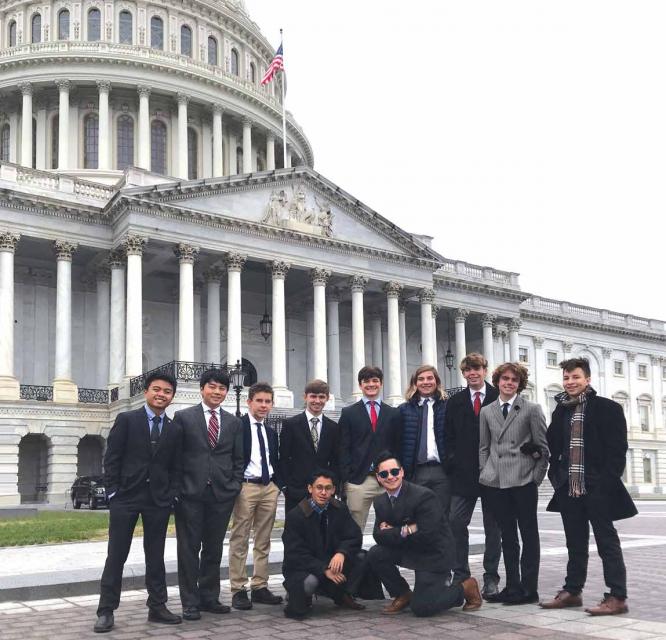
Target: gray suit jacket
[(221, 467), (501, 462)]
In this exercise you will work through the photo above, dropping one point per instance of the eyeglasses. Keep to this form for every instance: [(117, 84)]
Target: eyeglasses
[(395, 472), (323, 487)]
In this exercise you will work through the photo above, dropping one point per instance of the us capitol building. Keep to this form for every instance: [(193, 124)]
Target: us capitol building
[(149, 218)]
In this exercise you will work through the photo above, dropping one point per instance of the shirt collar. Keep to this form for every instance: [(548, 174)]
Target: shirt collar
[(309, 417), (207, 408), (378, 400), (430, 399), (254, 420), (483, 390), (316, 508), (510, 401), (151, 414), (395, 493)]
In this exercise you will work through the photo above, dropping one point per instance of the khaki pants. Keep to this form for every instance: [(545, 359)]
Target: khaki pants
[(255, 509), (360, 497)]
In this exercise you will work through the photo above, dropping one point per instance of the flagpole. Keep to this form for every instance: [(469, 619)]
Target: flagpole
[(284, 110)]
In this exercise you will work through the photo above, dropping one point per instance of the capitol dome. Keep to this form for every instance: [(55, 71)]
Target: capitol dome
[(90, 88)]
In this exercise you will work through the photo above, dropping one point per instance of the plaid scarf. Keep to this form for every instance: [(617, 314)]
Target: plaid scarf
[(576, 442)]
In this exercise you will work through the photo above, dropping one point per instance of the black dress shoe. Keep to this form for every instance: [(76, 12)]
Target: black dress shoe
[(104, 623), (504, 595), (264, 596), (191, 613), (288, 613), (240, 600), (490, 588), (523, 598), (214, 607), (163, 616)]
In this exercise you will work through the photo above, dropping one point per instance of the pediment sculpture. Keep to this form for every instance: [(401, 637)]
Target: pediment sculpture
[(293, 212)]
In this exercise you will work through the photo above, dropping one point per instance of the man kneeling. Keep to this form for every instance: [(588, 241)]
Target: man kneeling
[(411, 531), (321, 545)]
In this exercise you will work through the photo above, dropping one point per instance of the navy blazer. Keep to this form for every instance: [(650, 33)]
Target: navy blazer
[(273, 449)]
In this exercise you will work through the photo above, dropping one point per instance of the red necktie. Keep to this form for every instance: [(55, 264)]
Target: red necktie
[(373, 416), (213, 429), (477, 403)]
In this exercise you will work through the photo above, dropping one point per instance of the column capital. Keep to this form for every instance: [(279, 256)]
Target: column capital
[(270, 136), (234, 261), (63, 85), (116, 259), (218, 108), (182, 98), (461, 315), (606, 352), (9, 240), (567, 346), (631, 356), (333, 294), (435, 311), (655, 361), (26, 88), (538, 341), (186, 253), (213, 274), (134, 244), (143, 91), (64, 249), (103, 273), (279, 269), (427, 296), (392, 289), (319, 276), (357, 283), (488, 320), (515, 324), (103, 86), (247, 122)]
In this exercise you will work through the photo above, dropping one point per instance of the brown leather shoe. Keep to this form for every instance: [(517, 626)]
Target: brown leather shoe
[(398, 604), (472, 594), (609, 606), (562, 600), (347, 602)]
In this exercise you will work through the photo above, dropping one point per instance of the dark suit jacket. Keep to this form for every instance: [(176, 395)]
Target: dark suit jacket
[(298, 458), (273, 449), (359, 446), (129, 459), (431, 548), (605, 441), (461, 429), (222, 466)]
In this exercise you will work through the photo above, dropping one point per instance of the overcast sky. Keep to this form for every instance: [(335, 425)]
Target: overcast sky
[(524, 135)]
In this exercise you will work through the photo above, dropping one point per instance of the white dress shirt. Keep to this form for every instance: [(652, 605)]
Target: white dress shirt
[(481, 392), (320, 417), (207, 412), (510, 402), (253, 469), (433, 454)]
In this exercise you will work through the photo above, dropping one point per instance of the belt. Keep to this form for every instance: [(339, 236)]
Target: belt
[(430, 463), (254, 480)]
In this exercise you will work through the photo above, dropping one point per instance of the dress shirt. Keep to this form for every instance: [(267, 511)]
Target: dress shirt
[(473, 392), (509, 402), (320, 417), (207, 410), (433, 454), (253, 469), (377, 401), (151, 414)]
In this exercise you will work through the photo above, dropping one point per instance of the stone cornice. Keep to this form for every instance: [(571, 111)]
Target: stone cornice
[(479, 287), (18, 200)]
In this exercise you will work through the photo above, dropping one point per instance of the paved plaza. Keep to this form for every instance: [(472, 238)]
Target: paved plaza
[(644, 544)]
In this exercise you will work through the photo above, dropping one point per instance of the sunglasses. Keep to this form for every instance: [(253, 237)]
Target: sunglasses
[(395, 472)]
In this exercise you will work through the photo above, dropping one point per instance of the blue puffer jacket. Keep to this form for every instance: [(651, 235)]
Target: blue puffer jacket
[(410, 418)]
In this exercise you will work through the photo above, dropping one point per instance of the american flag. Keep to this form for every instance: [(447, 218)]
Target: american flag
[(277, 64)]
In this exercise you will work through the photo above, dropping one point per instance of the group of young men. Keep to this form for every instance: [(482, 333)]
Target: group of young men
[(422, 465)]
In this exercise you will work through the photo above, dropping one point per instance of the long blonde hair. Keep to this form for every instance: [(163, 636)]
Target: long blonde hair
[(411, 390)]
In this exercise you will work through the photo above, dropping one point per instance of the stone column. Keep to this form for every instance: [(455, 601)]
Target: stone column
[(632, 418), (218, 165), (657, 395), (213, 277), (40, 155), (63, 123), (402, 315), (183, 99), (117, 318), (514, 328), (287, 162), (283, 396), (319, 279), (103, 275), (488, 349), (64, 389), (26, 124), (233, 156), (539, 377), (461, 346), (134, 324), (247, 145), (608, 369), (9, 445), (270, 151), (357, 285), (61, 461), (393, 291), (196, 318), (186, 255), (144, 127), (9, 385), (104, 157), (234, 263), (333, 341), (377, 346), (426, 297), (435, 355)]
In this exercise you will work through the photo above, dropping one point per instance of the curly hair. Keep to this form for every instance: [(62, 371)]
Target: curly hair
[(517, 369)]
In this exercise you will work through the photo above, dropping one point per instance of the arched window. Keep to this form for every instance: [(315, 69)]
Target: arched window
[(191, 154), (125, 27), (212, 50), (234, 62), (186, 41), (94, 25), (36, 30), (12, 33), (4, 143), (253, 73), (90, 141), (156, 33), (125, 141), (63, 25), (158, 147), (55, 133)]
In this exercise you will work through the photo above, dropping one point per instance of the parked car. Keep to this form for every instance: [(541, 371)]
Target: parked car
[(89, 490)]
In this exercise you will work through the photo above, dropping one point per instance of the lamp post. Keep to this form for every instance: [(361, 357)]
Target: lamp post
[(237, 377), (448, 358)]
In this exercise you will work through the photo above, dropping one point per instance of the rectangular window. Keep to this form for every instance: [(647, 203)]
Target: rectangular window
[(642, 371), (522, 354), (618, 368), (647, 468), (644, 415), (551, 358)]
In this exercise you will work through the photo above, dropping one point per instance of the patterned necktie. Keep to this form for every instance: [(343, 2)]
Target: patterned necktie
[(393, 499), (477, 403), (155, 433), (213, 429), (505, 410), (314, 433), (373, 416), (265, 477)]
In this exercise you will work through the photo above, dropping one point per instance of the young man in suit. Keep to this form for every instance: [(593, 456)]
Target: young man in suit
[(588, 446), (367, 427), (212, 475), (308, 441), (513, 456), (321, 546), (257, 502), (411, 531), (461, 435), (142, 476)]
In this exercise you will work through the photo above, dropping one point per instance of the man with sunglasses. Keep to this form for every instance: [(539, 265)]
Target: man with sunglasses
[(411, 531)]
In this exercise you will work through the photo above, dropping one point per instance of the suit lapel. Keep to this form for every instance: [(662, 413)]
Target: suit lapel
[(306, 431), (513, 414), (381, 418), (363, 414)]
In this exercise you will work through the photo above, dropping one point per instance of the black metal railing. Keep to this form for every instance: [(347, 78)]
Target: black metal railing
[(94, 396), (454, 390), (274, 421), (114, 394), (35, 392), (180, 370)]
